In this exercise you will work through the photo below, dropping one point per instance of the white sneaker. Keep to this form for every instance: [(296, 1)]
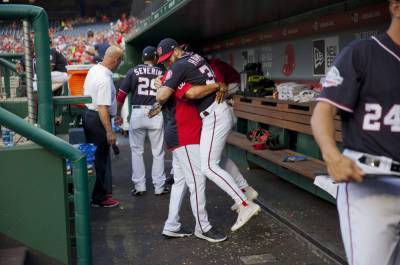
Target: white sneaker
[(251, 195), (212, 236), (245, 214)]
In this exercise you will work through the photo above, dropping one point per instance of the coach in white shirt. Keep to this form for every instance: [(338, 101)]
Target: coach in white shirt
[(97, 119)]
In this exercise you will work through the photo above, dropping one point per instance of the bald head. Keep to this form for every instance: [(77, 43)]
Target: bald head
[(112, 57), (113, 52)]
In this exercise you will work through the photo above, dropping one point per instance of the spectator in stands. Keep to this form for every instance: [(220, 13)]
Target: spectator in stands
[(90, 38), (101, 46), (74, 47)]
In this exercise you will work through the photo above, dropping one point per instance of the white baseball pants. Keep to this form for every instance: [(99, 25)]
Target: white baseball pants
[(229, 166), (140, 126), (187, 173), (124, 115), (370, 221), (216, 128)]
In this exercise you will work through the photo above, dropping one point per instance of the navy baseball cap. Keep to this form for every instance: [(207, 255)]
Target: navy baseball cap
[(149, 51), (165, 49)]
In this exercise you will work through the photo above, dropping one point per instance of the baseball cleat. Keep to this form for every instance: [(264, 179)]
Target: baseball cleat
[(177, 234), (165, 190), (135, 192), (212, 236), (251, 195), (245, 214)]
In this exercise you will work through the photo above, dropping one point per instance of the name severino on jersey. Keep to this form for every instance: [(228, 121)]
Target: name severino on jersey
[(145, 70)]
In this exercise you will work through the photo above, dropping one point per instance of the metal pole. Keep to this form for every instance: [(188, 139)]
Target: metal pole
[(2, 91), (29, 72), (82, 214), (7, 81)]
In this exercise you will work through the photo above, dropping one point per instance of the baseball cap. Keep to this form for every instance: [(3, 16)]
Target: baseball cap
[(165, 49), (149, 51)]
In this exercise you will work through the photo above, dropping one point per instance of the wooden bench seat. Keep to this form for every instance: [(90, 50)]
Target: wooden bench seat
[(284, 114), (306, 168), (290, 122)]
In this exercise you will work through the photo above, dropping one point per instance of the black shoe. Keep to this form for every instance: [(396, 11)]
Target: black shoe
[(135, 192), (177, 234), (211, 236), (169, 180), (164, 191)]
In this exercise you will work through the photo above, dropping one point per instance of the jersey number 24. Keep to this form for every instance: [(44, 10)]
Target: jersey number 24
[(146, 86), (373, 116)]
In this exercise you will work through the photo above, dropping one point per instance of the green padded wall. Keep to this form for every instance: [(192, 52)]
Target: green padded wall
[(307, 145), (32, 200), (18, 106)]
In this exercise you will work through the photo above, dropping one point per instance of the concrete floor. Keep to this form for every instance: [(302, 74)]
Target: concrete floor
[(131, 233)]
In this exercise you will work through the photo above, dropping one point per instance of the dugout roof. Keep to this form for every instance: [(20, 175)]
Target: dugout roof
[(195, 21)]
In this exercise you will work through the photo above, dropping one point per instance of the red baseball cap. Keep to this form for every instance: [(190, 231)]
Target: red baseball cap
[(165, 49)]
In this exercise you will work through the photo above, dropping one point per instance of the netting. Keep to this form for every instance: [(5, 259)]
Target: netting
[(142, 9)]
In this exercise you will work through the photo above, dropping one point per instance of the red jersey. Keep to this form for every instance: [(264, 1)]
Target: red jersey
[(183, 126), (224, 73)]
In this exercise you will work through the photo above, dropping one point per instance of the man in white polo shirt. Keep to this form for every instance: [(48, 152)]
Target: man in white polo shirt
[(97, 119)]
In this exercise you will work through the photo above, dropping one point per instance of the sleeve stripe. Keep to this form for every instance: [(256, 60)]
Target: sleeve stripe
[(122, 91), (336, 104)]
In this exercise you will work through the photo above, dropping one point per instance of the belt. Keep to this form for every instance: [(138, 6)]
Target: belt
[(210, 109), (141, 106), (96, 112), (373, 164), (373, 161), (204, 114)]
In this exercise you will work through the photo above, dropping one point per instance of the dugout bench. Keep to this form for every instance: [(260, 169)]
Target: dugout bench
[(290, 123)]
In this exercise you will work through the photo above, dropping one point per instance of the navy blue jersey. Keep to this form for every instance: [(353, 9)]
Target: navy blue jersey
[(364, 83), (139, 81), (193, 69), (170, 128)]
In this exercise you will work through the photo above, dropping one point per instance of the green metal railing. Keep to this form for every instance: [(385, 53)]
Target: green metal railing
[(10, 56), (7, 67), (40, 26), (10, 65), (80, 178), (156, 16)]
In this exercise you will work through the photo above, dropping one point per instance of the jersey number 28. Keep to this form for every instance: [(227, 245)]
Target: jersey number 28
[(374, 113), (146, 87)]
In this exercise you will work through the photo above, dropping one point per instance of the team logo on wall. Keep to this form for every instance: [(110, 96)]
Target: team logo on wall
[(319, 57), (290, 60), (324, 53)]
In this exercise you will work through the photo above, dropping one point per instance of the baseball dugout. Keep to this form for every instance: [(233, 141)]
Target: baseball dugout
[(290, 123)]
